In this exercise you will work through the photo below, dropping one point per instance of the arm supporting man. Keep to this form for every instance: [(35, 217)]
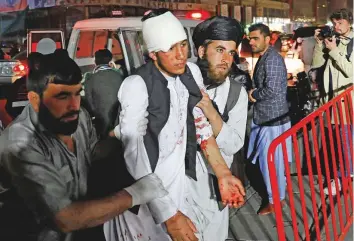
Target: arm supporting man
[(87, 214), (44, 189)]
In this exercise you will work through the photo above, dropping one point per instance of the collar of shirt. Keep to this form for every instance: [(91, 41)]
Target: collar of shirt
[(101, 67), (169, 78)]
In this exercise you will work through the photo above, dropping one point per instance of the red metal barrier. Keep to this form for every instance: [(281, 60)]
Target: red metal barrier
[(334, 143)]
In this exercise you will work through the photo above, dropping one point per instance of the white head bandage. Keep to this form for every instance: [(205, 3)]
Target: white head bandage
[(162, 32)]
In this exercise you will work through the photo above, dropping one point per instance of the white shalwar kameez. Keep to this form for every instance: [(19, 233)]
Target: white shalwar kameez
[(204, 211), (148, 224)]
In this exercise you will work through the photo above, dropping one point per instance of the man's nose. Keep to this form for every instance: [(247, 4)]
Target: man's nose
[(179, 53), (74, 103), (227, 58)]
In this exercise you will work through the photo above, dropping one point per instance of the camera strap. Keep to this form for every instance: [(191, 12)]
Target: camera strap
[(349, 49)]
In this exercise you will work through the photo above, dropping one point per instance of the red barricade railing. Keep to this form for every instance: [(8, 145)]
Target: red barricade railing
[(331, 129)]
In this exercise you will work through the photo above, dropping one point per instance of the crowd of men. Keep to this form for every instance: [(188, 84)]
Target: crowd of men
[(173, 127)]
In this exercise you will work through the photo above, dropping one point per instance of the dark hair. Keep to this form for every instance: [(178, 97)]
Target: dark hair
[(154, 13), (63, 53), (343, 13), (103, 56), (264, 29), (53, 69), (34, 59)]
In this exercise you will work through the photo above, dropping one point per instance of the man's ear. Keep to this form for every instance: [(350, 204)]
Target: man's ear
[(34, 100), (201, 52), (267, 39), (153, 56)]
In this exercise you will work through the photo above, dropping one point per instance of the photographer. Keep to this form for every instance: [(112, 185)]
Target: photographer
[(333, 51)]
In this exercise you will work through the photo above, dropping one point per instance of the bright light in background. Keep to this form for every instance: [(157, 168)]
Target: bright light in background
[(198, 15)]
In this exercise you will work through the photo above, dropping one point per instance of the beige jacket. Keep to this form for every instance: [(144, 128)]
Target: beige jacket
[(341, 67)]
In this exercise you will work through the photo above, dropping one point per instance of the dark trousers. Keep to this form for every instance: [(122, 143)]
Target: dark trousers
[(337, 146)]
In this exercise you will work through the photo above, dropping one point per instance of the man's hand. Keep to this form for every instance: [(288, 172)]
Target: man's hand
[(207, 107), (317, 32), (146, 189), (181, 228), (331, 43), (232, 191), (251, 99)]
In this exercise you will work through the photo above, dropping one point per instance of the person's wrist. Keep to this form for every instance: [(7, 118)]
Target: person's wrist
[(222, 171), (214, 116), (123, 194), (171, 219)]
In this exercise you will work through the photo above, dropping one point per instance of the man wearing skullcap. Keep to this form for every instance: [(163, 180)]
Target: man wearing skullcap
[(216, 40), (169, 89)]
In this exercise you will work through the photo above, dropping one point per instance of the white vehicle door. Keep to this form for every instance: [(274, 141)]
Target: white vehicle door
[(133, 48)]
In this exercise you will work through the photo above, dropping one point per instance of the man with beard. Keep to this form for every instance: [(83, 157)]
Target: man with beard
[(271, 111), (169, 89), (46, 154), (216, 40)]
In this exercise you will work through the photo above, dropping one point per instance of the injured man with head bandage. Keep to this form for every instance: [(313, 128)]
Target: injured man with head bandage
[(169, 89)]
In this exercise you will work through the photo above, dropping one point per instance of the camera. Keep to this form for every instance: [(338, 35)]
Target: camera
[(326, 32)]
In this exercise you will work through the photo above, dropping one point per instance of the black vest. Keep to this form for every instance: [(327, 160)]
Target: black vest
[(159, 111)]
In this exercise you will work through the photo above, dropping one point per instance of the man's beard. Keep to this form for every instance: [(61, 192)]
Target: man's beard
[(56, 125), (211, 76)]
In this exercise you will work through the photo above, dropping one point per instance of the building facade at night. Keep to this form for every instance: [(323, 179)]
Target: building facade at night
[(64, 13)]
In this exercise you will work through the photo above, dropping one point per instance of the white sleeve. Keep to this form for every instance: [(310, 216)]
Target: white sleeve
[(232, 135), (203, 127), (133, 97)]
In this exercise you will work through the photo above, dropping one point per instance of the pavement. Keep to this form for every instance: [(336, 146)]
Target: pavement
[(245, 224)]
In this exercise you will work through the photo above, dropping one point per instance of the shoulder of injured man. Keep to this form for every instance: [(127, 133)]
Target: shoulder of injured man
[(197, 74)]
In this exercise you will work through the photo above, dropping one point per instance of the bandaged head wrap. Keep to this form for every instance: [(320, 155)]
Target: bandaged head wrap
[(160, 33), (218, 28)]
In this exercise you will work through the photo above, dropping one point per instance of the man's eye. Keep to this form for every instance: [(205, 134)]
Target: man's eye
[(219, 50), (62, 97)]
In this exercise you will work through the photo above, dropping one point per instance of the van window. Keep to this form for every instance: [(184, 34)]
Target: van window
[(84, 46), (91, 41), (134, 44), (190, 45), (195, 51), (116, 49), (117, 53), (45, 39), (100, 41)]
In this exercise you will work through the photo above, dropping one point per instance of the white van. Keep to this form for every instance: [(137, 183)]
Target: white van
[(122, 36)]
